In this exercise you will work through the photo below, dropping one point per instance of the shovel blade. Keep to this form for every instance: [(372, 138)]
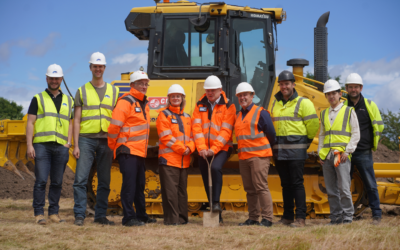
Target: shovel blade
[(210, 219)]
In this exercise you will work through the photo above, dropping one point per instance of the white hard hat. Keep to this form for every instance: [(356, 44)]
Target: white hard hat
[(331, 85), (212, 82), (138, 75), (244, 87), (97, 58), (54, 70), (176, 88), (354, 78)]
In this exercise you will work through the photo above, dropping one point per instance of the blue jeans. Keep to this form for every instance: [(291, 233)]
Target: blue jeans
[(91, 149), (51, 158), (365, 165)]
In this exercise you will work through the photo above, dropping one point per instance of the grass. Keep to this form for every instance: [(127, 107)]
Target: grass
[(19, 231)]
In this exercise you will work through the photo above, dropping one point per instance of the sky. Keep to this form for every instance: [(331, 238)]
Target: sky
[(363, 37)]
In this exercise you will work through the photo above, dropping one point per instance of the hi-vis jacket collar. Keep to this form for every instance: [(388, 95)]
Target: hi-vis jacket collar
[(223, 100), (137, 94), (279, 96), (176, 110)]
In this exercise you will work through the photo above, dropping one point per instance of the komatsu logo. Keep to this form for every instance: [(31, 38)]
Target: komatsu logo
[(259, 16)]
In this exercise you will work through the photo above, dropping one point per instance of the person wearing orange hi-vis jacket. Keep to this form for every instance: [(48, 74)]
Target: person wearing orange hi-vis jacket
[(175, 146), (338, 138), (212, 125), (128, 137)]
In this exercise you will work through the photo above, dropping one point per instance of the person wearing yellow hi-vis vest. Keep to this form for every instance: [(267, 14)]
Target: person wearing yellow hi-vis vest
[(338, 138), (49, 122), (296, 124), (371, 127), (94, 104)]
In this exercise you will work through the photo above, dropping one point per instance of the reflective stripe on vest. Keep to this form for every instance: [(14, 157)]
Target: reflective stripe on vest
[(337, 135), (96, 115), (253, 144), (51, 126)]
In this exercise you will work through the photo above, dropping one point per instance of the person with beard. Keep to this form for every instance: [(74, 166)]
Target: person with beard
[(371, 127), (94, 104), (48, 137), (338, 138), (296, 124)]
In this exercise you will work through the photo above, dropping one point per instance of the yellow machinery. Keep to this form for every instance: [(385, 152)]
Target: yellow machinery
[(187, 43)]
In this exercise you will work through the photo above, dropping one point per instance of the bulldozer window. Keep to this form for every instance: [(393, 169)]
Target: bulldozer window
[(249, 52), (188, 45)]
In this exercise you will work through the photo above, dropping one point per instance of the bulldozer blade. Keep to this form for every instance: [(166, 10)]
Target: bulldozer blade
[(210, 219), (22, 167), (10, 166), (31, 166)]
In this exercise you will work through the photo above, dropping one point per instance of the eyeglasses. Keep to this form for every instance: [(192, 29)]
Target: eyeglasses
[(139, 84)]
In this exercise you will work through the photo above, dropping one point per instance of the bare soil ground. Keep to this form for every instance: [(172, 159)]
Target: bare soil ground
[(18, 231)]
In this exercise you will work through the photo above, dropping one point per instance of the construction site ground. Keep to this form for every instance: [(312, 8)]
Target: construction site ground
[(19, 231)]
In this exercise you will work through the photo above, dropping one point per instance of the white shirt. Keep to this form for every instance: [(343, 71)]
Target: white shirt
[(354, 128), (215, 103)]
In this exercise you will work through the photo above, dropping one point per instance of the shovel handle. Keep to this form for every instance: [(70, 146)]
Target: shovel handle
[(210, 182)]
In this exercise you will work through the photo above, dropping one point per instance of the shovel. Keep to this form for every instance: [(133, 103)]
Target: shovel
[(210, 219)]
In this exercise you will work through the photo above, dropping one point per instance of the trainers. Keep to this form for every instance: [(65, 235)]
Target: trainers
[(376, 221), (284, 221), (250, 223), (56, 218), (134, 222), (40, 219), (149, 220), (104, 221), (79, 221), (299, 223), (265, 223)]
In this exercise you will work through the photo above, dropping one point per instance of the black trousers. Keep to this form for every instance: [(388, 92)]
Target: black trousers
[(216, 173), (133, 169), (292, 182), (174, 194)]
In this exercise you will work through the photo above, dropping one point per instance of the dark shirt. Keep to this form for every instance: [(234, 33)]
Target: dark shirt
[(264, 124), (366, 131), (33, 107)]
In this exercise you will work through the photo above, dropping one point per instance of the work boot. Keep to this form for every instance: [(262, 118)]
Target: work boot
[(134, 222), (216, 207), (266, 223), (40, 219), (220, 218), (376, 220), (56, 218), (347, 222), (335, 222), (104, 221), (299, 223), (149, 220), (284, 222), (249, 222), (79, 221)]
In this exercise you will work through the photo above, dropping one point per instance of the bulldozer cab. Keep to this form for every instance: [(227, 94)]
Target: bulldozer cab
[(191, 42)]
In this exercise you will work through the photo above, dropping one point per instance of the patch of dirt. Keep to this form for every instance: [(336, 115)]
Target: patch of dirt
[(12, 186), (383, 154)]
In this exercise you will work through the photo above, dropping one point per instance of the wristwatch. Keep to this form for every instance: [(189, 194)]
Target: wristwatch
[(70, 145)]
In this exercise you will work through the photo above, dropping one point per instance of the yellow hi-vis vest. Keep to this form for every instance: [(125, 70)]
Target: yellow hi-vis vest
[(96, 115), (338, 135), (376, 120), (51, 126)]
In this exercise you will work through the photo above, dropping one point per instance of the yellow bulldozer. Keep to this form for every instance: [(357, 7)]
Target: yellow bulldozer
[(187, 43)]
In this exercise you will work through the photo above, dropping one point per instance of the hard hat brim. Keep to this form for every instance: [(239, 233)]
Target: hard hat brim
[(219, 87), (51, 75)]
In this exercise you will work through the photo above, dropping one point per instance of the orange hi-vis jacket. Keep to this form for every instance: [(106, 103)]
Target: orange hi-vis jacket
[(212, 129), (129, 126), (174, 133), (251, 142)]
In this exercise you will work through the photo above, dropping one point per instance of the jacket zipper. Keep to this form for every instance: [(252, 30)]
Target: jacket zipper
[(184, 141)]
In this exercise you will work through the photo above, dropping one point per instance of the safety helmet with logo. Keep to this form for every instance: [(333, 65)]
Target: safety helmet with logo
[(354, 78), (138, 75), (54, 70), (286, 75), (244, 87), (98, 58), (212, 82), (331, 85), (176, 88)]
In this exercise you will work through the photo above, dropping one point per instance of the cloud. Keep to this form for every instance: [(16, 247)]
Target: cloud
[(125, 63), (113, 48), (130, 58), (21, 93), (381, 80), (33, 77), (31, 47)]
